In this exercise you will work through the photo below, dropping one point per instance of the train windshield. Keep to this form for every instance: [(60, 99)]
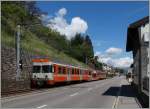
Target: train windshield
[(47, 69), (36, 69)]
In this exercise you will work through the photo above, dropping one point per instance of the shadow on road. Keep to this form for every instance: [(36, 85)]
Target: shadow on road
[(112, 91), (126, 91)]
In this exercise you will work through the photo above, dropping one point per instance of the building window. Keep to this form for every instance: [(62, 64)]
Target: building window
[(146, 83), (146, 39)]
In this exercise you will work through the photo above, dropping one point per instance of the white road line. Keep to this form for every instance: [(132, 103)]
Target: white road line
[(74, 94), (41, 106), (115, 104)]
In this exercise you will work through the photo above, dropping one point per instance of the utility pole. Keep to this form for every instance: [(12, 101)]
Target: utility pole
[(18, 53)]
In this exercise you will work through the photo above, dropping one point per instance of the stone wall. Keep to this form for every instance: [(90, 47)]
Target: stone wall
[(144, 68), (8, 71), (136, 68)]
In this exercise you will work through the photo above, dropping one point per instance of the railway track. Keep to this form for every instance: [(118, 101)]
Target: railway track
[(20, 92), (10, 93)]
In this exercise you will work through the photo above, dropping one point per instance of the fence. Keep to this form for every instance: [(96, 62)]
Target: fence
[(8, 66)]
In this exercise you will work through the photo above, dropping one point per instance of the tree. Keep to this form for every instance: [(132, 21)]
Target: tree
[(76, 47), (88, 48)]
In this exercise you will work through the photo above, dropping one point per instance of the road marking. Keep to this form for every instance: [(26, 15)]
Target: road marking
[(41, 106), (74, 94), (115, 104)]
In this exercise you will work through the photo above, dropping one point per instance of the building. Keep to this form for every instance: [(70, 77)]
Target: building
[(109, 70), (138, 39)]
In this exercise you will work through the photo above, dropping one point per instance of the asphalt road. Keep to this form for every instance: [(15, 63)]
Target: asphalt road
[(96, 94)]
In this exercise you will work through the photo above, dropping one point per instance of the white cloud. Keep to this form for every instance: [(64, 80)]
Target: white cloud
[(113, 51), (60, 24), (97, 53), (121, 62), (45, 18), (62, 12)]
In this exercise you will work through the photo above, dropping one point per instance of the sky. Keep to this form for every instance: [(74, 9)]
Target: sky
[(105, 22)]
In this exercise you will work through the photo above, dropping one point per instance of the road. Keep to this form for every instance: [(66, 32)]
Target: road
[(96, 94)]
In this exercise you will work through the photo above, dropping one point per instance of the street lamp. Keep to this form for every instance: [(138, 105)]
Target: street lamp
[(18, 61), (18, 53)]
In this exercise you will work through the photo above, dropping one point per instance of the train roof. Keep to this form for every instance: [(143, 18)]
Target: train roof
[(40, 60), (66, 65), (45, 60)]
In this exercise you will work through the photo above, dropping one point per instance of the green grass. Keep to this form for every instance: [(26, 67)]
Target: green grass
[(32, 44), (7, 39), (29, 42)]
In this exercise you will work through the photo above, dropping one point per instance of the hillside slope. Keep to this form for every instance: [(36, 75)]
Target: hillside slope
[(12, 14)]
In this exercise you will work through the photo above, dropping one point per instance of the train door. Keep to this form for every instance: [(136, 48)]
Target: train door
[(80, 74), (90, 74), (68, 74), (47, 71)]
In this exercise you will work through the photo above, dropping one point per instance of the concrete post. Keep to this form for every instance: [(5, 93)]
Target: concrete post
[(18, 53)]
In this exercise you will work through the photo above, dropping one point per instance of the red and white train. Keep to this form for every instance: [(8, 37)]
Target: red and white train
[(50, 73)]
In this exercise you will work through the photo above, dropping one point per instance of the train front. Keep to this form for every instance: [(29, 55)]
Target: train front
[(42, 72)]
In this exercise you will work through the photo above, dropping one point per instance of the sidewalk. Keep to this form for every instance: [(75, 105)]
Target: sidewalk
[(127, 97)]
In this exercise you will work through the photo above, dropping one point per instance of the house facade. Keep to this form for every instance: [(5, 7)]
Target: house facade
[(138, 41)]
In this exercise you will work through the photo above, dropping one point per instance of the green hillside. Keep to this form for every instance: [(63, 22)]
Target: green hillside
[(38, 39)]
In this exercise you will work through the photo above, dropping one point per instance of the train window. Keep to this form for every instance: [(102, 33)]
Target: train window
[(72, 70), (36, 69), (59, 70), (46, 69), (68, 70), (64, 70), (81, 72), (78, 71), (89, 73)]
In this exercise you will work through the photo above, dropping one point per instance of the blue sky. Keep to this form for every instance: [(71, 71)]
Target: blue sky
[(107, 21)]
